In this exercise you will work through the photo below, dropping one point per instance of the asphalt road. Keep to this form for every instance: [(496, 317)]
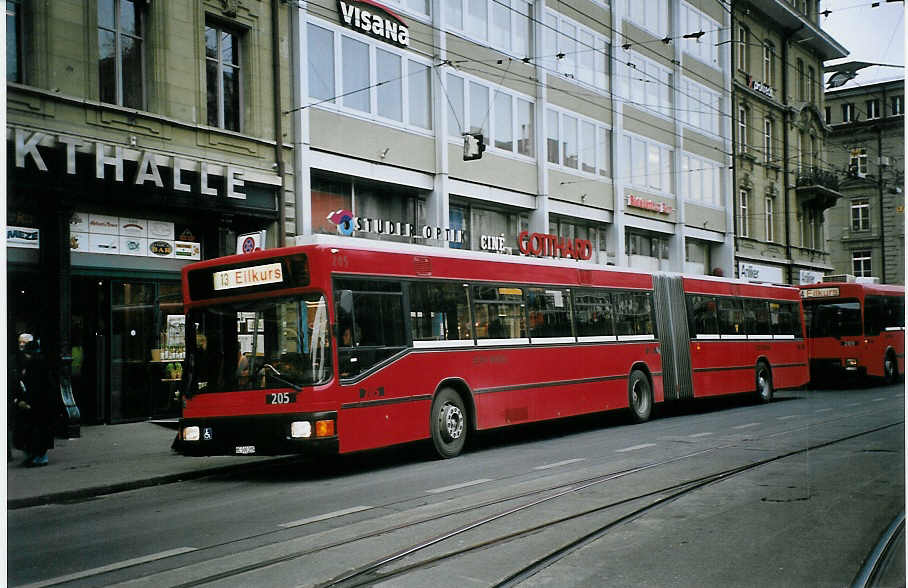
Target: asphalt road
[(725, 493)]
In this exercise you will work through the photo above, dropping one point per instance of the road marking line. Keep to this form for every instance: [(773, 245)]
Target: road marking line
[(110, 567), (458, 486), (635, 447), (791, 416), (326, 516), (877, 400), (699, 434), (748, 425), (559, 463), (852, 404), (823, 410)]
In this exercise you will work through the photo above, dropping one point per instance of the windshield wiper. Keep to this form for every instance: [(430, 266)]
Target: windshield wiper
[(277, 376)]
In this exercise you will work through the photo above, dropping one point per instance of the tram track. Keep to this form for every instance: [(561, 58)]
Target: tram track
[(372, 572)]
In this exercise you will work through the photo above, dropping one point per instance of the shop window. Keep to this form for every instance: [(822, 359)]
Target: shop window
[(493, 223), (499, 313), (327, 198), (222, 70), (549, 311), (593, 314), (439, 312), (121, 65)]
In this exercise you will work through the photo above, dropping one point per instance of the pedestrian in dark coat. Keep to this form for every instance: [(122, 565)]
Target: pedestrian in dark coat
[(32, 400)]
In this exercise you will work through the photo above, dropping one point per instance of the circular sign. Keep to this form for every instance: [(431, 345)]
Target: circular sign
[(162, 248), (248, 245)]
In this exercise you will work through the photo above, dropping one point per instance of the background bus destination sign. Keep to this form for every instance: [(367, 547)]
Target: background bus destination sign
[(243, 277), (819, 292)]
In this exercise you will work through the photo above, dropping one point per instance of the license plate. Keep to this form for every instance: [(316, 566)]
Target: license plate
[(280, 398), (245, 449)]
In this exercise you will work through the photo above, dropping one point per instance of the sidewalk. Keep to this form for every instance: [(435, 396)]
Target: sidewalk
[(111, 458)]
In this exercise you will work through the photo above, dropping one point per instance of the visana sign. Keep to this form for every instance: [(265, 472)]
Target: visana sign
[(376, 21), (545, 245), (759, 87)]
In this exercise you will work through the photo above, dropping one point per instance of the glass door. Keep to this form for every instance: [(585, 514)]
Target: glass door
[(132, 337)]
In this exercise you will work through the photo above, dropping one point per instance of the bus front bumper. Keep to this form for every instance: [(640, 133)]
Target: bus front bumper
[(281, 434)]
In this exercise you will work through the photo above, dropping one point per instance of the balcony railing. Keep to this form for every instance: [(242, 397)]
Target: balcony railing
[(816, 176)]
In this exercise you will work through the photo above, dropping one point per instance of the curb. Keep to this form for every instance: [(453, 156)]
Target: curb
[(94, 491)]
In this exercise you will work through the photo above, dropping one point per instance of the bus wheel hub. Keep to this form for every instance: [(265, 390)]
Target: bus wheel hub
[(452, 418)]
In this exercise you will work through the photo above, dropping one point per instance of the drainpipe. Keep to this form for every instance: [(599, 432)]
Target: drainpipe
[(879, 183), (278, 118), (785, 123)]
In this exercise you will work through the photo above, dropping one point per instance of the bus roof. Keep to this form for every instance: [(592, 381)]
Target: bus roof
[(858, 288)]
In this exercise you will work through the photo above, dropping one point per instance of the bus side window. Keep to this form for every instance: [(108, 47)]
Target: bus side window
[(633, 313), (439, 312), (731, 316), (550, 312), (593, 314), (874, 315), (702, 313), (756, 317)]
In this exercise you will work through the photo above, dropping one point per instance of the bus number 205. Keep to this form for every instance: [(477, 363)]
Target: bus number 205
[(280, 398)]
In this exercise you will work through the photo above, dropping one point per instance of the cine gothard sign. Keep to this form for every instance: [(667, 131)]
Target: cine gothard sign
[(374, 20)]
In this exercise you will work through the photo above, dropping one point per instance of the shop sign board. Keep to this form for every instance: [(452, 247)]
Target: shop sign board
[(649, 204), (148, 170), (347, 224), (24, 237), (546, 245), (809, 277), (760, 273), (113, 235), (375, 20), (759, 87)]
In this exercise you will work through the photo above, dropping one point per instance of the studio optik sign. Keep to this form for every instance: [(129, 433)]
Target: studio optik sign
[(374, 20)]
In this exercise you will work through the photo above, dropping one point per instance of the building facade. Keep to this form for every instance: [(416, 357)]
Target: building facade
[(784, 181), (600, 124), (140, 136), (867, 142)]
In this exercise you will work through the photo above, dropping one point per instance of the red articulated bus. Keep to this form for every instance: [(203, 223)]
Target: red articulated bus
[(855, 328), (343, 344)]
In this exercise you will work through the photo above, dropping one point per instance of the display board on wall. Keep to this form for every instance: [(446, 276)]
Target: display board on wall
[(117, 235)]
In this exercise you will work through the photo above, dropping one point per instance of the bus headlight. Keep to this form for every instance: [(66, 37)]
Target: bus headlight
[(300, 429), (190, 434)]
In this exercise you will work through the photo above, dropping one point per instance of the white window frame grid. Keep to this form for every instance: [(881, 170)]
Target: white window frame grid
[(646, 85), (647, 9), (575, 47), (403, 6), (337, 103), (697, 171), (221, 67), (860, 214), (646, 181), (862, 263), (769, 63), (485, 37), (489, 117), (139, 36), (698, 103), (859, 160), (847, 112), (743, 219), (873, 108), (767, 140), (743, 53), (743, 116), (897, 105), (705, 48), (598, 128), (770, 227)]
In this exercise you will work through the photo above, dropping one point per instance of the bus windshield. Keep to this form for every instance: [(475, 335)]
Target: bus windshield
[(833, 318), (258, 344)]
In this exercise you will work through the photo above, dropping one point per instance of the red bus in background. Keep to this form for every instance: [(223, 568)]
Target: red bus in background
[(855, 328), (344, 344)]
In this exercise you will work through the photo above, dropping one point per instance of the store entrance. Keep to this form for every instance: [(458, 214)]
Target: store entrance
[(127, 338)]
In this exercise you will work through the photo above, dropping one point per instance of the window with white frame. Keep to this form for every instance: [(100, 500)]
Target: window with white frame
[(896, 105), (505, 120), (743, 214), (860, 262), (847, 112), (767, 140), (811, 228), (770, 220), (873, 108), (769, 64), (578, 143), (644, 82), (222, 72), (811, 84), (373, 81), (651, 15), (647, 164), (704, 47), (743, 52), (743, 121), (575, 51), (700, 179), (420, 7), (503, 24), (860, 214), (700, 107), (121, 63), (857, 162)]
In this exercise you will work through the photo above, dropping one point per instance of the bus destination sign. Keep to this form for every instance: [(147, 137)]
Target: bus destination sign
[(244, 277), (819, 293)]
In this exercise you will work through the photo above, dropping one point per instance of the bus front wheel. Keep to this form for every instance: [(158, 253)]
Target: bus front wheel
[(640, 396), (448, 423), (764, 383)]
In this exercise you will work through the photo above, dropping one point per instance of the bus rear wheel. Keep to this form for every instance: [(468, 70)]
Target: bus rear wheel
[(640, 396), (764, 383), (890, 368), (448, 423)]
